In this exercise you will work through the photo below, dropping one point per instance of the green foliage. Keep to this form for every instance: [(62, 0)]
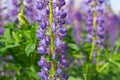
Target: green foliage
[(20, 41), (29, 48)]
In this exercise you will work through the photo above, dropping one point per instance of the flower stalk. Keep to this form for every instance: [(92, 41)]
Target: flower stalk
[(22, 18), (50, 33), (52, 44)]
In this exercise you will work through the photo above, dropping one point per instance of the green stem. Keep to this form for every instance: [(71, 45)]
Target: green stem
[(87, 70), (52, 45), (105, 65), (98, 54), (22, 7), (85, 76), (94, 37), (93, 42), (92, 50), (22, 18)]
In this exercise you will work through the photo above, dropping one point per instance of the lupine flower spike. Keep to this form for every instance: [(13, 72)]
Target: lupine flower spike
[(50, 34)]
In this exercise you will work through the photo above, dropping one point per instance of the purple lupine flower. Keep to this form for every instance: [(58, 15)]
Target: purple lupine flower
[(30, 10), (28, 1), (95, 21), (4, 17), (112, 26), (75, 19), (43, 34), (100, 22), (42, 49), (42, 61), (1, 21), (15, 10), (59, 71), (95, 26), (40, 34), (1, 30), (89, 21), (3, 61)]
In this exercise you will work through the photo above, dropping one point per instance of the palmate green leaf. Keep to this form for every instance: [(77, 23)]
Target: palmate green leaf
[(33, 74), (34, 27), (7, 36), (29, 48), (116, 47), (32, 69), (27, 34), (2, 40), (85, 47), (116, 63), (16, 37), (7, 33), (78, 56), (73, 46), (11, 26), (33, 33), (13, 67), (8, 46), (12, 46), (116, 57), (74, 78)]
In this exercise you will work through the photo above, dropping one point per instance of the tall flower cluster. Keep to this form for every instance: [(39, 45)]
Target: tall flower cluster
[(1, 20), (23, 11), (15, 10), (95, 27), (112, 26), (3, 71), (75, 19), (52, 18), (0, 17), (100, 21), (30, 10), (95, 21), (89, 21), (1, 27)]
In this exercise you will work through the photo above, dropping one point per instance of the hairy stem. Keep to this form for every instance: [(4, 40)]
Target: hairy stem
[(93, 42), (94, 37), (52, 44), (98, 60)]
